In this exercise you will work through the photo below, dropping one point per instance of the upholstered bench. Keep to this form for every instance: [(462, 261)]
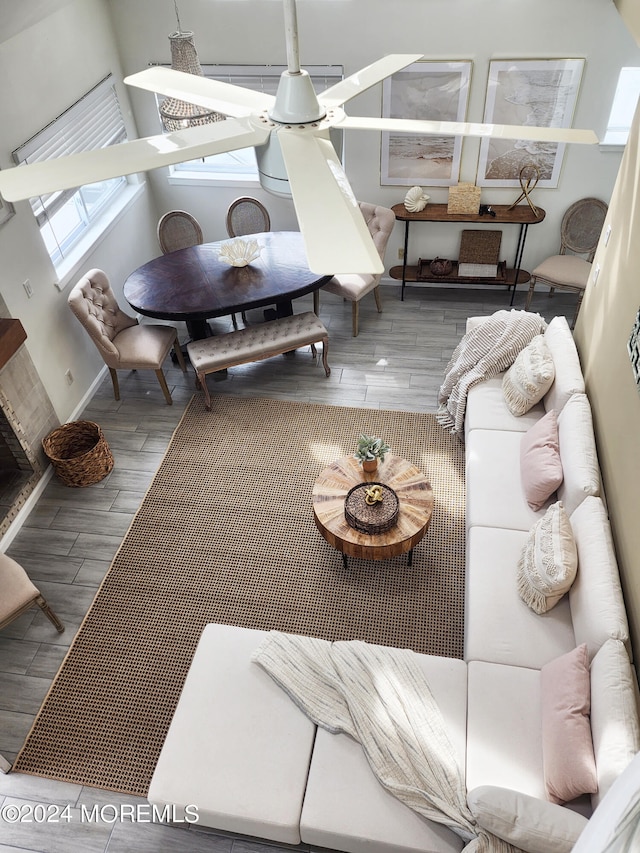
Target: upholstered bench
[(254, 343)]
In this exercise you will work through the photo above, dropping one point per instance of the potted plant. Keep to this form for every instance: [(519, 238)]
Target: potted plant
[(370, 449)]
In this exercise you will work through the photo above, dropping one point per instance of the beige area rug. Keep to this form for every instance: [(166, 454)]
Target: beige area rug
[(226, 534)]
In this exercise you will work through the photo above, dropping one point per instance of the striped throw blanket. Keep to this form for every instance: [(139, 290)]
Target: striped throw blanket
[(380, 697), (484, 351)]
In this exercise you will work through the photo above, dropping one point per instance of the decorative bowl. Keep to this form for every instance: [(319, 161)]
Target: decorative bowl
[(240, 253), (440, 266)]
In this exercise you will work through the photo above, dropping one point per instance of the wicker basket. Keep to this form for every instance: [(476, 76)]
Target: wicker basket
[(79, 453)]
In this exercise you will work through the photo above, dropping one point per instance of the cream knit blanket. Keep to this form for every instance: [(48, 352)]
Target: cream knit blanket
[(484, 351), (380, 697)]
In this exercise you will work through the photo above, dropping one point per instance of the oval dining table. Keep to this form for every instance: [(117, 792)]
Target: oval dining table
[(193, 284)]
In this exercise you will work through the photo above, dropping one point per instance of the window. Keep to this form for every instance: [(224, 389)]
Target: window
[(623, 108), (95, 121), (241, 165)]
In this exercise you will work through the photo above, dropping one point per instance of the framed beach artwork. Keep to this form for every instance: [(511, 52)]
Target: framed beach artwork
[(436, 91), (538, 92)]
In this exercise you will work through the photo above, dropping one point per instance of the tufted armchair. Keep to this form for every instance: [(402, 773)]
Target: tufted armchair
[(380, 221), (122, 342)]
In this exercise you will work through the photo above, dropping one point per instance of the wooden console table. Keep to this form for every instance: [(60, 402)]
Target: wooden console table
[(521, 215)]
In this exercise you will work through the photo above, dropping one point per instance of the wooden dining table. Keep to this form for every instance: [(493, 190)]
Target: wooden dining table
[(194, 284)]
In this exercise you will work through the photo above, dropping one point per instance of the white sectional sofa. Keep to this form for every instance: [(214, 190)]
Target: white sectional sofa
[(241, 751)]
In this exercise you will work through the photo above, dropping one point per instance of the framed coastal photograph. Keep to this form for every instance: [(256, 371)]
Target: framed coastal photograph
[(538, 92), (424, 90)]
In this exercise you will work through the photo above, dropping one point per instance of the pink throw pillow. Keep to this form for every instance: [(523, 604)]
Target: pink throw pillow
[(540, 465), (567, 748)]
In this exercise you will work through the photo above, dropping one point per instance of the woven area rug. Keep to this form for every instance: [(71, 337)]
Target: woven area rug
[(226, 534)]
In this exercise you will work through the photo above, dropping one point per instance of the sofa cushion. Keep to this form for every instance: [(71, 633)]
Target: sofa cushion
[(548, 562), (567, 750), (529, 377), (487, 409), (499, 626), (504, 730), (346, 807), (237, 746), (577, 452), (597, 606), (614, 714), (568, 373), (530, 824), (540, 465), (495, 497)]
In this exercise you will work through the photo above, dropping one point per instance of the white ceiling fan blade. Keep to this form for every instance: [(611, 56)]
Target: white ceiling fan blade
[(335, 234), (464, 128), (152, 152), (215, 95), (356, 83)]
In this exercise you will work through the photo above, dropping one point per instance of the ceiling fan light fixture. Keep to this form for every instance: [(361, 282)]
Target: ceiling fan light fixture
[(177, 114)]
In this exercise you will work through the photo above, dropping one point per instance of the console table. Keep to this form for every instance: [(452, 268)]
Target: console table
[(521, 215)]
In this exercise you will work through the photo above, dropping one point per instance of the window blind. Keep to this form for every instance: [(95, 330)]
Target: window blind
[(95, 121)]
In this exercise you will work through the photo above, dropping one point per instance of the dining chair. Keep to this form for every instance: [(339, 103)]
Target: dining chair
[(380, 221), (123, 343), (19, 594), (246, 215), (579, 234), (178, 229)]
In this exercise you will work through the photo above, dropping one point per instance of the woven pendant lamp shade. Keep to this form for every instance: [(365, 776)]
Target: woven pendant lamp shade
[(176, 114)]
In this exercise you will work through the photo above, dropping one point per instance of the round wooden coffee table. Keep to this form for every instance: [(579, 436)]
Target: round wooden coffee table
[(415, 499)]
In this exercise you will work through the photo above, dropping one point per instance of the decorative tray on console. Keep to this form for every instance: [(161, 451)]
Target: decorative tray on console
[(375, 518)]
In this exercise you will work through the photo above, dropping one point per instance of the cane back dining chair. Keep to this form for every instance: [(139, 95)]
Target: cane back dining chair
[(380, 221), (579, 234), (246, 215), (123, 343), (178, 229)]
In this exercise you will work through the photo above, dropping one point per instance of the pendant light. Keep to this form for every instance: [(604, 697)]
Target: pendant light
[(177, 114)]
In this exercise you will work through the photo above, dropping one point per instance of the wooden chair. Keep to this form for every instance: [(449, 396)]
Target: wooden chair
[(122, 342), (19, 594), (380, 221), (178, 229), (579, 235), (246, 215)]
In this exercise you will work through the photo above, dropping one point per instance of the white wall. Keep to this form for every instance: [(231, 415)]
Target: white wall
[(45, 64)]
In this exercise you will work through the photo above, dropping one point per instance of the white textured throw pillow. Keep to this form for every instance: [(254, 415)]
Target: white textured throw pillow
[(528, 823), (529, 378), (549, 560)]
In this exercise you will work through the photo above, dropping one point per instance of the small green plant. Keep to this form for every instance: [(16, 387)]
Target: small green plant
[(370, 447)]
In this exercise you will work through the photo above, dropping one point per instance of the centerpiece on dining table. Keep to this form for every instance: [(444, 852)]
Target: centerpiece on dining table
[(240, 253)]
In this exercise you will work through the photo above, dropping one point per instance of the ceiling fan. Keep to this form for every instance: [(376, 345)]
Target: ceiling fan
[(291, 135)]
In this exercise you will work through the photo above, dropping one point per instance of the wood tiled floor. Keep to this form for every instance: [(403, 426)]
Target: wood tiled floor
[(397, 362)]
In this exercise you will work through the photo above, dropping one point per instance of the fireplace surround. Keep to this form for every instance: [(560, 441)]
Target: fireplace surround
[(26, 417)]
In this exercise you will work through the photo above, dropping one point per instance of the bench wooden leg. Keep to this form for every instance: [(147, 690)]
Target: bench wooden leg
[(202, 379)]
